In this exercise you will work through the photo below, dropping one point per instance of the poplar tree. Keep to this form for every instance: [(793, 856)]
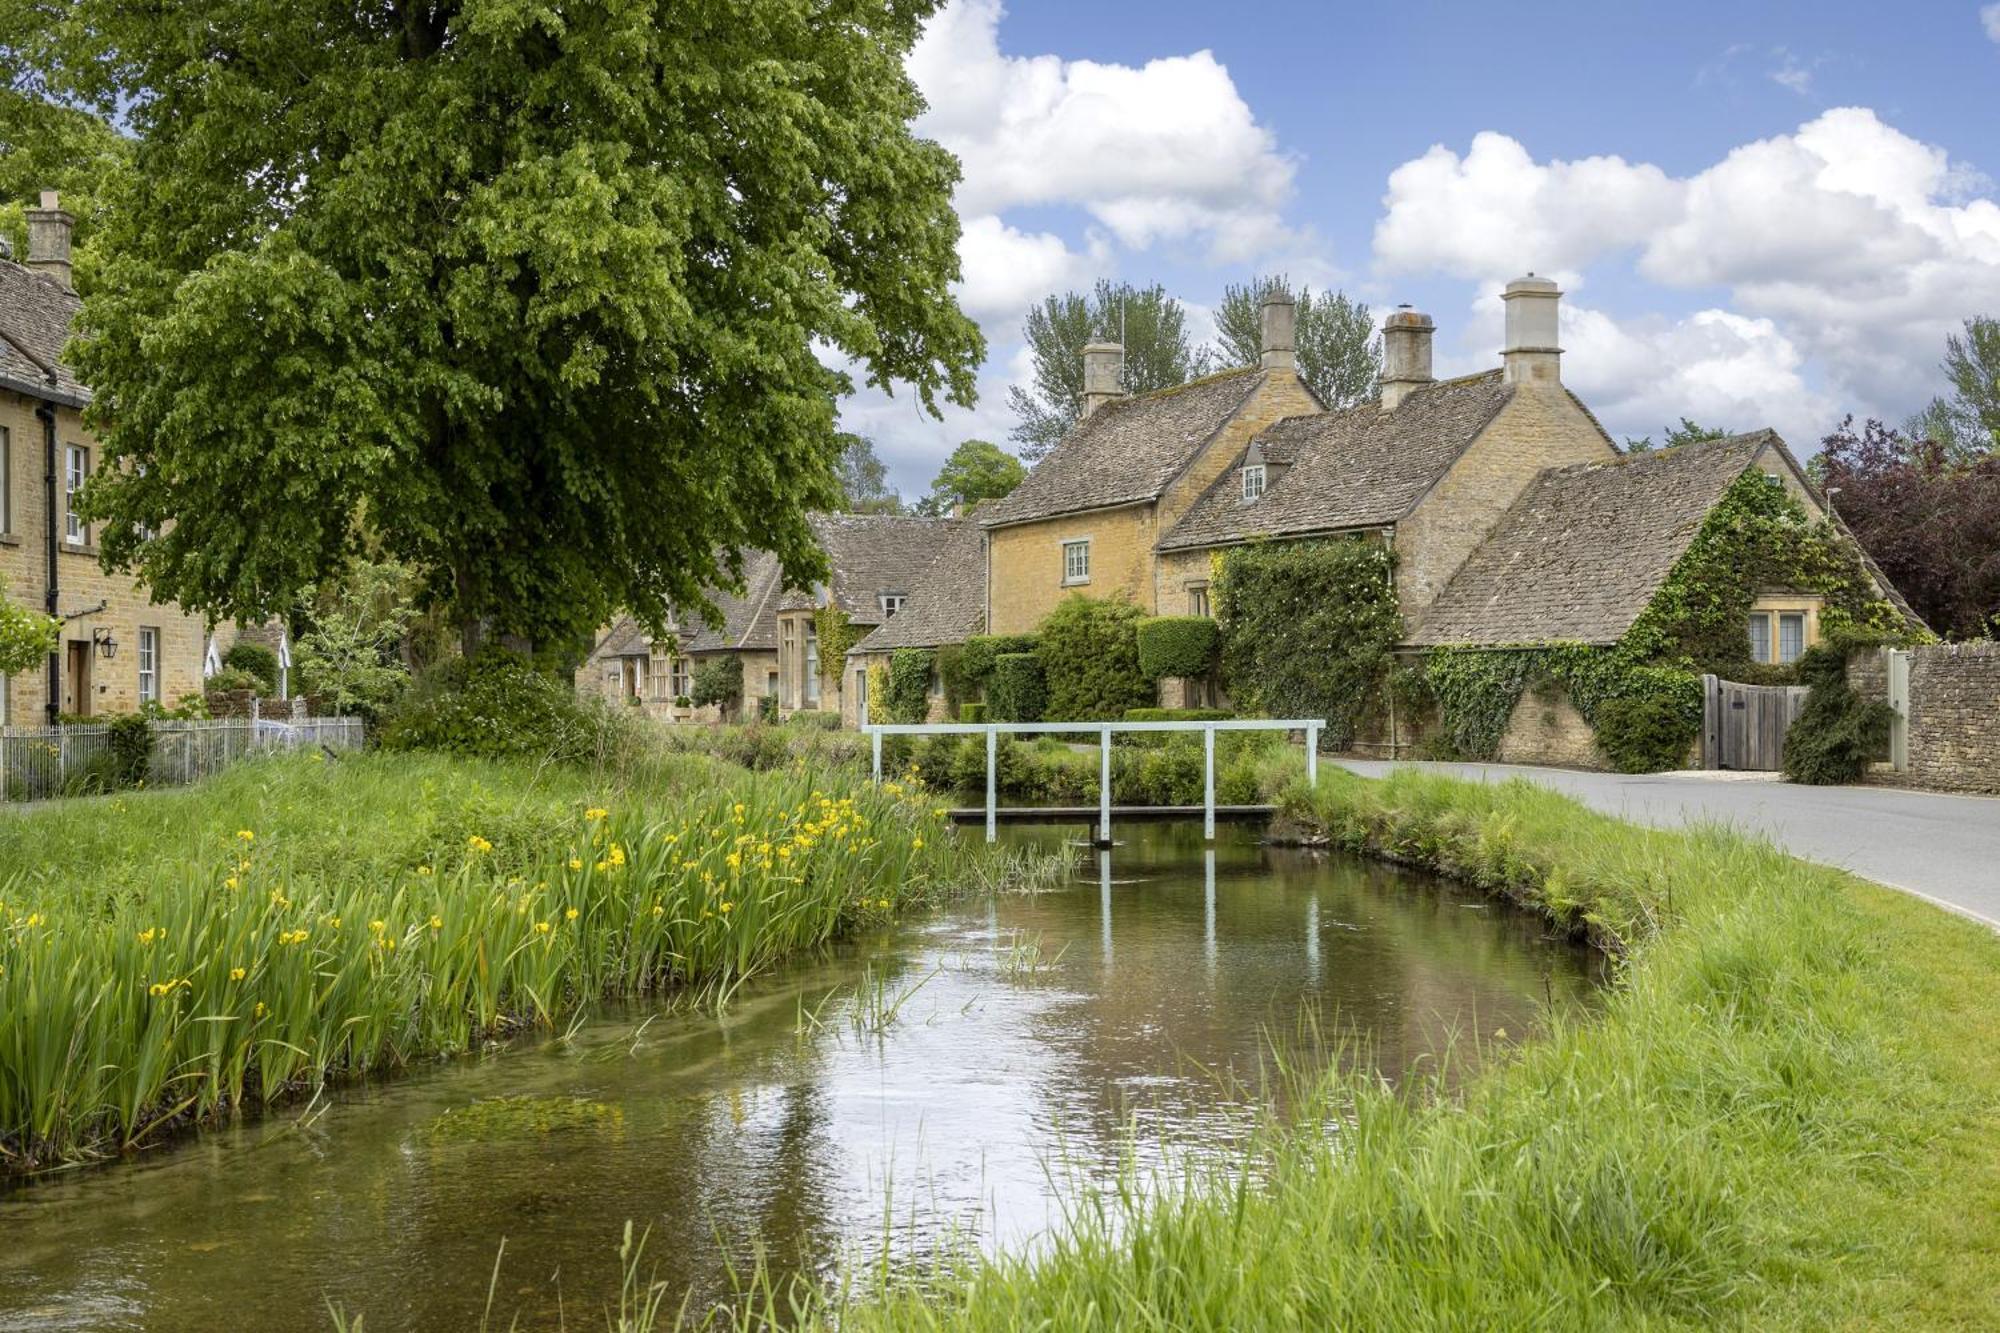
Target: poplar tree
[(1152, 327)]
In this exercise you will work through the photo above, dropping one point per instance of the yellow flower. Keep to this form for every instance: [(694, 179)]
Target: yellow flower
[(569, 914), (159, 988), (658, 910), (617, 855), (377, 926), (576, 863), (727, 908), (146, 936), (541, 927), (232, 883), (237, 973), (883, 904), (785, 853), (479, 844), (437, 923), (916, 844), (423, 870), (259, 1013), (243, 866), (734, 860), (245, 835), (596, 812)]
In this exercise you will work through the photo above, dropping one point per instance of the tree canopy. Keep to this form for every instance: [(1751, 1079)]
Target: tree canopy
[(1151, 325), (1338, 351), (47, 141), (977, 470), (531, 298), (1966, 422), (1687, 432), (864, 479)]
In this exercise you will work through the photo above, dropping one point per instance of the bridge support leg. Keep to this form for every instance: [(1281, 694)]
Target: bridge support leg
[(992, 801), (1103, 838), (1208, 783), (1312, 756), (877, 737)]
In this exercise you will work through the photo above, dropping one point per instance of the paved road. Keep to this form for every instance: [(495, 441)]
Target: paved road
[(1944, 848)]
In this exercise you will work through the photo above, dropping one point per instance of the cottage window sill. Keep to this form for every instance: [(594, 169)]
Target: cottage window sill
[(70, 548), (1075, 583), (10, 539)]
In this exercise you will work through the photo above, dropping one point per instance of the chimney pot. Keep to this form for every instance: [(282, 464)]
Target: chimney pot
[(1277, 327), (49, 230), (1532, 355), (1406, 355), (1102, 364)]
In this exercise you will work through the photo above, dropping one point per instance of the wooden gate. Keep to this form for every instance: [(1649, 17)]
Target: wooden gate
[(1743, 726)]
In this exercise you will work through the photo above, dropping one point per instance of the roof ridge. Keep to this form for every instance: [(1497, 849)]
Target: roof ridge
[(1691, 449)]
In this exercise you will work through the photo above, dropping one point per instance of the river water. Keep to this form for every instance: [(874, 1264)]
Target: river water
[(941, 1083)]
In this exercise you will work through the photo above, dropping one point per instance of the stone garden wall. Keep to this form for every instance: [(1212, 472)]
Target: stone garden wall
[(1954, 715)]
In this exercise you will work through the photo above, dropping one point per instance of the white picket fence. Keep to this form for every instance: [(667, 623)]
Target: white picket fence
[(40, 762)]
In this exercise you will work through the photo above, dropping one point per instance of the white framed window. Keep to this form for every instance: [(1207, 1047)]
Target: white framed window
[(1197, 599), (1791, 636), (1076, 561), (683, 678), (812, 664), (892, 602), (76, 467), (1253, 480), (149, 666), (1760, 636)]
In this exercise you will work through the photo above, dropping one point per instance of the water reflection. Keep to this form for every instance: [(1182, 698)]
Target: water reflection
[(912, 1089)]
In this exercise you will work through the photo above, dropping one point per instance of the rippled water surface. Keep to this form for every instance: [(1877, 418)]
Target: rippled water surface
[(922, 1087)]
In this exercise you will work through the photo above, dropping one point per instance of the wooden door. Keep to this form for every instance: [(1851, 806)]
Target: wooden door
[(76, 684)]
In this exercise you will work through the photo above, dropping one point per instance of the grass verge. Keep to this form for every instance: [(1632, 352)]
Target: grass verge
[(170, 955), (1787, 1116)]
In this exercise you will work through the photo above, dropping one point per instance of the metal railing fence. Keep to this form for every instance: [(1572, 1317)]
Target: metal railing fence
[(41, 762)]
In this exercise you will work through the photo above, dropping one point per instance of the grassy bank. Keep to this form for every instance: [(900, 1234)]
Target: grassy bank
[(169, 955), (1788, 1116)]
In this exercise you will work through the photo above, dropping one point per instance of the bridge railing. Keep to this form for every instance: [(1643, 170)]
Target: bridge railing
[(1104, 731)]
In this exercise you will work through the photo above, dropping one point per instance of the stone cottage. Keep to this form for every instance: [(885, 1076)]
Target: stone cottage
[(118, 648), (947, 607)]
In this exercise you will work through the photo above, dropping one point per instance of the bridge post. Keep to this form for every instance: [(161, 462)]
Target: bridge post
[(877, 737), (1312, 755), (1104, 787), (992, 800), (1208, 782)]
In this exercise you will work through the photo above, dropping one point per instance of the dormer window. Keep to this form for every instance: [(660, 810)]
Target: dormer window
[(892, 602), (1253, 480)]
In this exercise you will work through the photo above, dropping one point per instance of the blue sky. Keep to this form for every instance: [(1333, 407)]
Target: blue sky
[(1762, 214)]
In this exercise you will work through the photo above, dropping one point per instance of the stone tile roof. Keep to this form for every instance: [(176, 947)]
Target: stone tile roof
[(871, 554), (749, 621), (1127, 450), (947, 606), (1584, 549), (35, 316), (625, 638), (1353, 468)]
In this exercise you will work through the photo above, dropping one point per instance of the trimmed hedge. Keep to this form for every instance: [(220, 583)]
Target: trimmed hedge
[(909, 697), (1018, 691), (976, 660), (823, 718), (1185, 646), (1178, 715), (1090, 659), (256, 659), (719, 680), (1647, 733)]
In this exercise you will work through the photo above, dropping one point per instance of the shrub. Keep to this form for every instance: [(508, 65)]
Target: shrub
[(1178, 715), (231, 679), (1090, 659), (909, 696), (977, 659), (951, 674), (972, 712), (718, 680), (256, 659), (497, 706), (1838, 733), (1178, 646), (823, 719), (1648, 733), (131, 742), (767, 708), (1018, 691)]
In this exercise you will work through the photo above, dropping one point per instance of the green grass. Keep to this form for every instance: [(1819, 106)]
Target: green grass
[(1786, 1116), (172, 955)]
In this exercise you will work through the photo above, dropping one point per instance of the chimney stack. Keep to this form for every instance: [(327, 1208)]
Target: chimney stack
[(1531, 355), (1406, 355), (1277, 323), (49, 230), (1102, 365)]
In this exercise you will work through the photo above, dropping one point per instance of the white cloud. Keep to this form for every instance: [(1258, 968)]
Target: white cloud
[(1857, 245), (1792, 73), (1989, 18), (1164, 151), (1006, 270)]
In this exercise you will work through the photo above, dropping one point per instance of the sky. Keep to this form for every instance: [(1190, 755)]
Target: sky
[(1760, 214)]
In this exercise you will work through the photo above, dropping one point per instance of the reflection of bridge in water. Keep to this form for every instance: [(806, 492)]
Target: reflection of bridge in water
[(1101, 835)]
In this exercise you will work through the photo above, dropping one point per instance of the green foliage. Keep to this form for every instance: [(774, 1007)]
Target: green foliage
[(1475, 692), (497, 706), (951, 673), (1648, 733), (1089, 650), (1178, 646), (718, 680), (1158, 354), (1837, 734), (1018, 691), (909, 696), (1966, 423), (977, 470), (130, 737), (1307, 629), (47, 140), (837, 634), (230, 680), (358, 627), (256, 659), (981, 650), (864, 479), (822, 719), (26, 637), (543, 294), (1178, 715), (1685, 433), (972, 712), (1335, 344)]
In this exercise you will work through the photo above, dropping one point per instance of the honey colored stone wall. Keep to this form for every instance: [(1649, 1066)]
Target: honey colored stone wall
[(1026, 580), (1955, 716), (113, 685), (1540, 427), (1175, 573), (1545, 728)]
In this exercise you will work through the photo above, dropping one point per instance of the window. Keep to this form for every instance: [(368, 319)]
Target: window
[(1253, 480), (812, 665), (1197, 599), (1781, 630), (892, 602), (682, 678), (1760, 637), (77, 459), (1076, 561), (1791, 637), (6, 481), (149, 666), (788, 660)]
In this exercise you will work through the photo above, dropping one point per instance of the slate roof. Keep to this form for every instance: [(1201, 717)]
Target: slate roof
[(1357, 467), (948, 606), (749, 621), (1127, 450), (35, 315), (1584, 549), (624, 639)]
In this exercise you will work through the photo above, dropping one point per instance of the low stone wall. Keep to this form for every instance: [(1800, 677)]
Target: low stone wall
[(1954, 716), (1545, 728)]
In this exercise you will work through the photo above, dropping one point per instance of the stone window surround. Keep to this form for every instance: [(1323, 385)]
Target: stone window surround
[(1076, 557), (1197, 593), (1775, 604), (76, 471), (148, 654)]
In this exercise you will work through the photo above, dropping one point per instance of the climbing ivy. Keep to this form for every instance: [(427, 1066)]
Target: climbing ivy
[(837, 634), (908, 698)]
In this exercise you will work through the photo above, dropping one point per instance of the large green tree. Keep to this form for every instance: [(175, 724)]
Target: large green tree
[(977, 470), (1966, 422), (1688, 432), (1334, 341), (47, 141), (1151, 325), (529, 293), (864, 479)]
